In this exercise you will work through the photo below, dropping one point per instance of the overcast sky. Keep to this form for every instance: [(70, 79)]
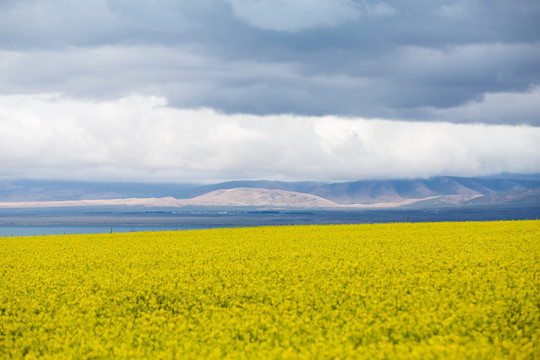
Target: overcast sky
[(211, 90)]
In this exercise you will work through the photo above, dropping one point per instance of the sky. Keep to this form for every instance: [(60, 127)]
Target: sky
[(215, 90)]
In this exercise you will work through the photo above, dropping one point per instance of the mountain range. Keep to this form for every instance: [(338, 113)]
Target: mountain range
[(518, 190)]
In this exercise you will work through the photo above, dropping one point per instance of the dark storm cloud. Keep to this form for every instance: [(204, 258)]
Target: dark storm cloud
[(418, 60)]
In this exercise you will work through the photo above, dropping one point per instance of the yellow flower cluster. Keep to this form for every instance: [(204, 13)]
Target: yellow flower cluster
[(407, 291)]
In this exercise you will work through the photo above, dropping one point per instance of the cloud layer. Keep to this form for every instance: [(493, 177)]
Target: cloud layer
[(181, 90), (143, 139), (403, 60)]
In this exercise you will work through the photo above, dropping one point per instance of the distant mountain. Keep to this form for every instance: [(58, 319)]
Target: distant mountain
[(55, 190), (259, 197), (243, 197), (434, 192), (448, 190), (516, 195)]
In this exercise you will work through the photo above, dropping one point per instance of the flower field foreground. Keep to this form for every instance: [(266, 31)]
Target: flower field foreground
[(408, 291)]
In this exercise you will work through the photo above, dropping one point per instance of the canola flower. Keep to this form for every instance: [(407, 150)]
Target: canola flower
[(384, 291)]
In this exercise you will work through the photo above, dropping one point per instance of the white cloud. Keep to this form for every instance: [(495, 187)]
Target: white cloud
[(294, 15), (495, 108), (297, 15), (454, 11), (379, 9), (141, 138)]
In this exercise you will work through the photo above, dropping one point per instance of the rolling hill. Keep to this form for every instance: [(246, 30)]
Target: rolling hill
[(433, 192)]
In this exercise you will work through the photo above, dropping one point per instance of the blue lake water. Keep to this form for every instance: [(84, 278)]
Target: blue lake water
[(33, 230)]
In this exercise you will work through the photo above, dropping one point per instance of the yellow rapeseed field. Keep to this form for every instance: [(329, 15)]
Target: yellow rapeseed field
[(406, 291)]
